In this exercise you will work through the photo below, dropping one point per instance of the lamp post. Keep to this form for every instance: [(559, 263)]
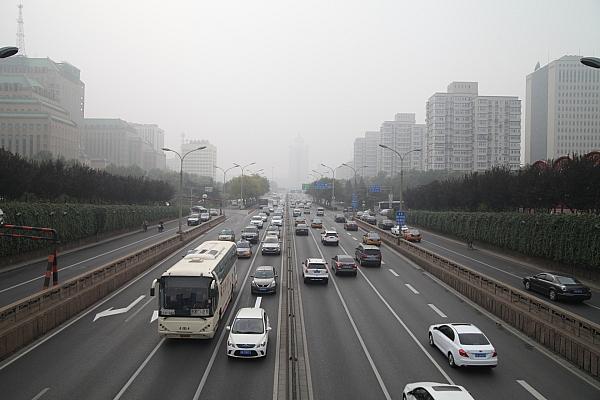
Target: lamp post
[(9, 51), (242, 181), (333, 183), (181, 158), (318, 173), (401, 172), (224, 180)]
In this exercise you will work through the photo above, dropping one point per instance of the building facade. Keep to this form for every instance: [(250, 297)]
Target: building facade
[(360, 156), (562, 114), (201, 162), (370, 168), (466, 132), (41, 107), (298, 163), (154, 140), (404, 136), (113, 140)]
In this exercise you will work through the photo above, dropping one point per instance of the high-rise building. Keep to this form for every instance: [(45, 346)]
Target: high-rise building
[(201, 162), (467, 132), (369, 168), (41, 107), (562, 114), (402, 135), (154, 140), (113, 140), (360, 155), (298, 167)]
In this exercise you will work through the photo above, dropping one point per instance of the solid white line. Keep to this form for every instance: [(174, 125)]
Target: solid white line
[(223, 331), (408, 285), (276, 368), (354, 238), (531, 390), (393, 272), (437, 310), (80, 262), (348, 233), (44, 339), (136, 312), (40, 394), (358, 335), (154, 316), (593, 306), (257, 302), (406, 328), (137, 371), (473, 259)]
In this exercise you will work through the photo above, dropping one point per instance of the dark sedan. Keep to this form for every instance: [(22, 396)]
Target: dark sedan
[(340, 218), (351, 226), (302, 230), (386, 224), (557, 286)]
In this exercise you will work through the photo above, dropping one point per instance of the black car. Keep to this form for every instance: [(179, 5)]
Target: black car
[(301, 230), (351, 226), (340, 218), (557, 286), (386, 224), (371, 220), (367, 254)]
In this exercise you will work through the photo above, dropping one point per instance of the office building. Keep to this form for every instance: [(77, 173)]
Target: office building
[(365, 154), (298, 163), (562, 113), (113, 140), (467, 132), (154, 140), (405, 136), (201, 162)]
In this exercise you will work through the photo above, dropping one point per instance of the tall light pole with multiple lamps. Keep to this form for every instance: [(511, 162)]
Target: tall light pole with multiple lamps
[(224, 180), (243, 205), (333, 183), (181, 158), (401, 172)]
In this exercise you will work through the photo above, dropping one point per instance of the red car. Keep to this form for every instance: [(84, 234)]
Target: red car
[(343, 263)]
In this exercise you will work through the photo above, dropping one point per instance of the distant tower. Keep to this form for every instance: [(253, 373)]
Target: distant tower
[(21, 31)]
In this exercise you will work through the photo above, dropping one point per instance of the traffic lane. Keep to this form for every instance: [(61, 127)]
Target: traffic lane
[(395, 353), (338, 366), (108, 350), (534, 367), (253, 377), (183, 361), (25, 281)]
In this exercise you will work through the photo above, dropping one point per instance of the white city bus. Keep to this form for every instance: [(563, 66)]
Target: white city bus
[(193, 294)]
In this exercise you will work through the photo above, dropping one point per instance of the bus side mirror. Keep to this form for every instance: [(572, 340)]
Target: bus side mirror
[(153, 287)]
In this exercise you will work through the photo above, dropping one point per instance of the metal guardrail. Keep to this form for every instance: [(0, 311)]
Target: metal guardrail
[(573, 337), (27, 319)]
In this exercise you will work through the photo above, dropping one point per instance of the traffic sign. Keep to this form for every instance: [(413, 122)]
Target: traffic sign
[(400, 218), (375, 189), (306, 186), (354, 201)]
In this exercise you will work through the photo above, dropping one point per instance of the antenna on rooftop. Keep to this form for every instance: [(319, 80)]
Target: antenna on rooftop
[(21, 31)]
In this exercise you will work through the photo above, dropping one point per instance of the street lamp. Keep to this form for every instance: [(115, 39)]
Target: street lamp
[(593, 62), (181, 158), (242, 180), (224, 180), (318, 173), (401, 171), (9, 51), (333, 184)]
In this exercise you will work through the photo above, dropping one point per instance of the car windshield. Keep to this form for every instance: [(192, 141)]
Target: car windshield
[(256, 218), (567, 280), (301, 226), (185, 296), (248, 326), (264, 273), (472, 339), (245, 244), (194, 215), (250, 229), (345, 259), (226, 232), (271, 239), (316, 221), (373, 236)]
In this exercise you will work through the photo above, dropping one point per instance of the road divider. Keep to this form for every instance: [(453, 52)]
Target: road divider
[(565, 333), (26, 320)]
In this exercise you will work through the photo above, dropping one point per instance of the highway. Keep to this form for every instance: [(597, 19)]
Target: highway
[(366, 338), (503, 268), (28, 279)]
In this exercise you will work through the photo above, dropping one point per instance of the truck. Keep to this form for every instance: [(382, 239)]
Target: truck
[(263, 202)]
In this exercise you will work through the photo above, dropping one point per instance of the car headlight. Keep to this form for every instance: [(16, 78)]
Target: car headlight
[(563, 288), (230, 343), (272, 284), (253, 283), (263, 344)]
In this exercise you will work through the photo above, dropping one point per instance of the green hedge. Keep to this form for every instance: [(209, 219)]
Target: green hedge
[(75, 221), (566, 238)]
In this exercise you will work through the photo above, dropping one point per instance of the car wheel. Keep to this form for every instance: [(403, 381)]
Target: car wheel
[(451, 360), (552, 295), (527, 285), (431, 343), (305, 280)]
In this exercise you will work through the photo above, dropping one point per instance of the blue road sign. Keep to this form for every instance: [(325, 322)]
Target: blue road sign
[(375, 189), (354, 201), (400, 218)]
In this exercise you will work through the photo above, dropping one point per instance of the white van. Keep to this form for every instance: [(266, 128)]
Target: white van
[(320, 211)]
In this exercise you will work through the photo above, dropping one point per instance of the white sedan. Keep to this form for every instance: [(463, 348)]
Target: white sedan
[(249, 333), (463, 344), (435, 391)]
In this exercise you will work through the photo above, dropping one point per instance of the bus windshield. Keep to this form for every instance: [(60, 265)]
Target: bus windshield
[(185, 296)]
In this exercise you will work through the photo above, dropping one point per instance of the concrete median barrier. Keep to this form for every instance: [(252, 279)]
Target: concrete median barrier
[(571, 336), (26, 320)]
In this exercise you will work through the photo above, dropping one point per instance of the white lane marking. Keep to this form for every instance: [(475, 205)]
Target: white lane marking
[(154, 316), (137, 371), (531, 390), (276, 367), (354, 238), (393, 272), (136, 312), (257, 302), (223, 331), (40, 394), (408, 285), (348, 233), (473, 259), (110, 311), (382, 262), (44, 339), (358, 335), (80, 262), (593, 306), (406, 328), (437, 310)]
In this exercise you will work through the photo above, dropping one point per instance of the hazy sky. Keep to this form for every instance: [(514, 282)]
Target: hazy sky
[(250, 75)]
